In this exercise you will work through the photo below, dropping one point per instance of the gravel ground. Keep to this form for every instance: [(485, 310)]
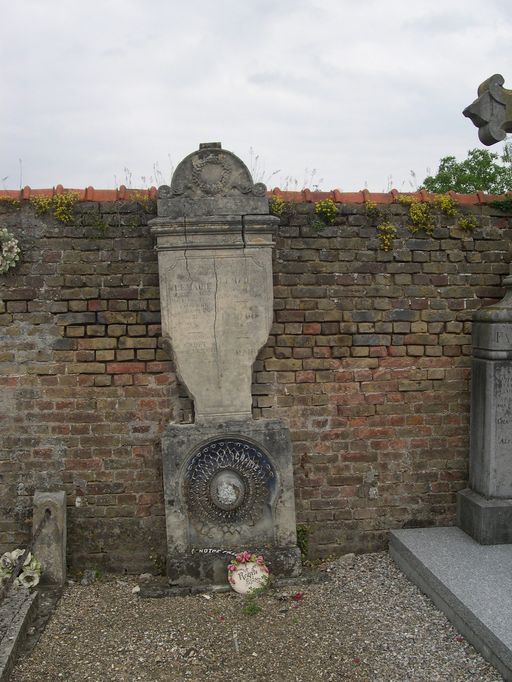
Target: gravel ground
[(368, 622)]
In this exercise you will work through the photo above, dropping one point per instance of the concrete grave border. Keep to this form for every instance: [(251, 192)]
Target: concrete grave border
[(24, 605)]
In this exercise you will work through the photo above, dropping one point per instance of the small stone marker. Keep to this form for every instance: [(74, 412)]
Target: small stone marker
[(50, 546)]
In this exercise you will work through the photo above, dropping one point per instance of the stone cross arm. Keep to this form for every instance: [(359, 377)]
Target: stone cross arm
[(491, 112)]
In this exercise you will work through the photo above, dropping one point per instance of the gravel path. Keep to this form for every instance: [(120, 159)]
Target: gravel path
[(368, 622)]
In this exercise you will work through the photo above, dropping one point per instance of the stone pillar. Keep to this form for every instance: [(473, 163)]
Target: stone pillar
[(50, 546), (485, 508), (228, 479)]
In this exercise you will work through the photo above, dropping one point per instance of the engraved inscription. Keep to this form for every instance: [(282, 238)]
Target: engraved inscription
[(217, 317), (503, 338), (496, 336), (503, 405)]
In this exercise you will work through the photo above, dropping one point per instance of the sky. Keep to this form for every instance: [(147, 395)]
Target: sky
[(308, 93)]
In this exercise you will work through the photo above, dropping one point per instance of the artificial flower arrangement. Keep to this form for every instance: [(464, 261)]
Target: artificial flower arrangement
[(241, 560), (28, 576), (9, 251)]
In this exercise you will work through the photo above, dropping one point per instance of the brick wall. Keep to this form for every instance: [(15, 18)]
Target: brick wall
[(368, 363)]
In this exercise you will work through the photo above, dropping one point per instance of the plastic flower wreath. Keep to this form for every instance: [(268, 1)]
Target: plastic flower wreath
[(29, 574), (9, 251), (245, 558)]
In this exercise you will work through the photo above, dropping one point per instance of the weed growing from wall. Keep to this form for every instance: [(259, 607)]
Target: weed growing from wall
[(142, 198), (503, 205), (467, 222), (421, 216), (276, 205), (303, 540), (9, 202), (61, 205), (41, 204), (326, 210), (386, 233), (446, 204)]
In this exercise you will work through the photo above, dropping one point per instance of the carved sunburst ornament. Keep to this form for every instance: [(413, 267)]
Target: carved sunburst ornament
[(227, 485)]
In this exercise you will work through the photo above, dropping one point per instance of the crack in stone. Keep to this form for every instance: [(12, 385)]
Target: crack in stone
[(215, 318), (185, 250), (244, 238)]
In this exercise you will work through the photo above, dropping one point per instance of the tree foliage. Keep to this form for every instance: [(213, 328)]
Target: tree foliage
[(481, 171)]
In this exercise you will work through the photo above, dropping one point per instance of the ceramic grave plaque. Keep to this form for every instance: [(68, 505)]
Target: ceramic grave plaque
[(248, 576)]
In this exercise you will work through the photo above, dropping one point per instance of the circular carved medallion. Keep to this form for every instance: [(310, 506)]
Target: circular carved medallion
[(227, 482), (211, 173)]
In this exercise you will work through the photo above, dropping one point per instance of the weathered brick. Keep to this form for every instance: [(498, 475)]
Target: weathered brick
[(98, 343), (125, 367), (371, 339), (113, 317), (86, 368), (136, 342), (75, 318)]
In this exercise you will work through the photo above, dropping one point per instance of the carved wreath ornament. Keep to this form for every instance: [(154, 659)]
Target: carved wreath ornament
[(211, 173), (9, 251)]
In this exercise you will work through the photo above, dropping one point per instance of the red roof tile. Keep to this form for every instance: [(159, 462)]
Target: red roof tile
[(305, 195)]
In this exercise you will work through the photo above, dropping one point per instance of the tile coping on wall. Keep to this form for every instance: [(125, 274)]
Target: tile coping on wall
[(305, 195)]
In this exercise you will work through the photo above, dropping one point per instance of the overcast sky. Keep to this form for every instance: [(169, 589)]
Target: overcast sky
[(360, 91)]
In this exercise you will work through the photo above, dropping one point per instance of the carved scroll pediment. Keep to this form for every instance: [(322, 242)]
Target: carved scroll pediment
[(212, 181)]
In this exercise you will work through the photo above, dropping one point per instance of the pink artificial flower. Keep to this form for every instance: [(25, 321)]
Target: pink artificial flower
[(239, 556), (246, 556), (231, 567), (260, 560)]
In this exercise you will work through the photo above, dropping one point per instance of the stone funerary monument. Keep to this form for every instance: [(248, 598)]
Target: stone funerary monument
[(228, 480)]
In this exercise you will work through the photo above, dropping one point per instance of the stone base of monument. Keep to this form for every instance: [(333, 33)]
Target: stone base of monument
[(228, 487), (210, 568), (468, 581), (488, 521)]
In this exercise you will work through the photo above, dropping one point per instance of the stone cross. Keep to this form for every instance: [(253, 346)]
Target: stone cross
[(491, 112)]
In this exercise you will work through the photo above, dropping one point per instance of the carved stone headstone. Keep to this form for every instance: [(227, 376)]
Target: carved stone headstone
[(214, 240), (485, 509), (228, 479)]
